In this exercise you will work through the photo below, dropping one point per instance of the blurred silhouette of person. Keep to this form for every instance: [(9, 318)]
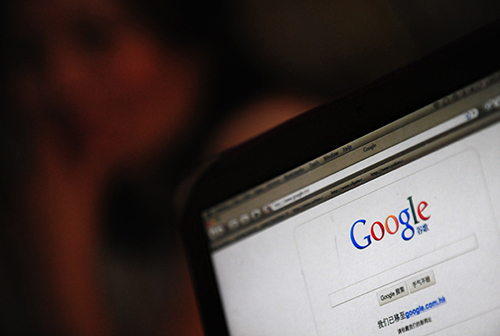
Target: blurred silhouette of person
[(98, 88), (98, 91)]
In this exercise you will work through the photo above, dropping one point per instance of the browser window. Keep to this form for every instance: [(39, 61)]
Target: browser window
[(395, 232)]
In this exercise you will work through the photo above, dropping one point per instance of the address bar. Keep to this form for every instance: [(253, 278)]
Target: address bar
[(417, 139)]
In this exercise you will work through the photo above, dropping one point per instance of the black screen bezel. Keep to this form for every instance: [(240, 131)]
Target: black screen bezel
[(318, 131)]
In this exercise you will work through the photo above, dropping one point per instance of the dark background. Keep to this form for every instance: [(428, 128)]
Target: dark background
[(297, 53)]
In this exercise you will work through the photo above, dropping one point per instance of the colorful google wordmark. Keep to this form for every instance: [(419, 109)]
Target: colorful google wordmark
[(391, 225)]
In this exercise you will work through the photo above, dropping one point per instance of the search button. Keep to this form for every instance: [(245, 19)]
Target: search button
[(422, 281), (392, 293)]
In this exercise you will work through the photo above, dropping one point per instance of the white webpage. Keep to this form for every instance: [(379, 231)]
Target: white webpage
[(415, 251)]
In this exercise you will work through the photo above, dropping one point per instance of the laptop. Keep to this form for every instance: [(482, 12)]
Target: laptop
[(377, 214)]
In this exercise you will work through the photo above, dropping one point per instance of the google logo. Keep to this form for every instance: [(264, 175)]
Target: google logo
[(391, 225)]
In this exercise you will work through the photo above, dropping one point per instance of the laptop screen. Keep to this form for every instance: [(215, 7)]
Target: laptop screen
[(395, 232)]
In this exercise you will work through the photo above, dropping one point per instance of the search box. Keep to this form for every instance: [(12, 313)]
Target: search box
[(427, 260)]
